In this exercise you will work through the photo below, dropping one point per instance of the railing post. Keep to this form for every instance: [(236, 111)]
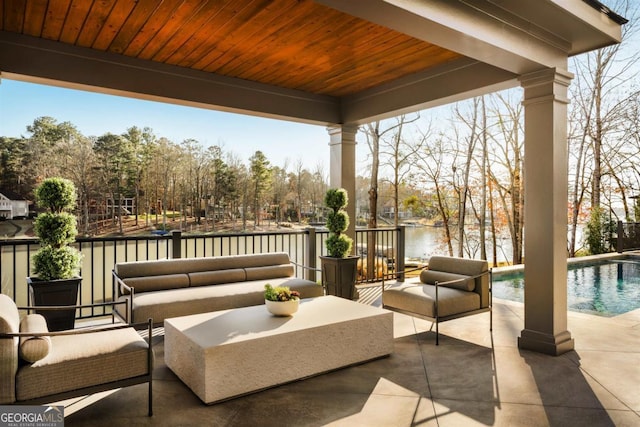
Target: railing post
[(400, 254), (619, 237), (310, 256), (176, 244), (619, 246)]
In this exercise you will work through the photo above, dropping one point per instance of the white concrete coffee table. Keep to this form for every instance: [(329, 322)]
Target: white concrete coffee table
[(230, 353)]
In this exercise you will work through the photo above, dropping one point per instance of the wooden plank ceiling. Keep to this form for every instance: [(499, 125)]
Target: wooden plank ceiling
[(295, 44)]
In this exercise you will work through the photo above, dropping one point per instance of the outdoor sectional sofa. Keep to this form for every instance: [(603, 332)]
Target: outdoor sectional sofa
[(162, 289), (449, 289)]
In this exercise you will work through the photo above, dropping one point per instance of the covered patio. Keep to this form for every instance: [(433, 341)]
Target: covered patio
[(473, 377), (341, 64)]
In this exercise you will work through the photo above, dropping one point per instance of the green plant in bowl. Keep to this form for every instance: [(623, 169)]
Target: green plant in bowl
[(280, 293)]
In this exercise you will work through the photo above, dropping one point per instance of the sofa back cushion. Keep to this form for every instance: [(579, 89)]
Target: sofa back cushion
[(157, 275), (126, 270), (263, 260), (270, 272), (157, 283), (228, 262), (204, 278), (464, 266), (9, 324)]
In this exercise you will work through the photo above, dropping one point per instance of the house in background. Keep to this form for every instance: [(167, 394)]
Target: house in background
[(12, 205)]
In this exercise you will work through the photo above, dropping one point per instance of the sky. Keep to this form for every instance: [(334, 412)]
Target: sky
[(95, 114)]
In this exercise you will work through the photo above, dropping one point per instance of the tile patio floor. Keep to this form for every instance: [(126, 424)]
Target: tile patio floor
[(473, 378)]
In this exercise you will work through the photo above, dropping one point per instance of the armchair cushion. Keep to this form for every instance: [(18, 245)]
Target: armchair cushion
[(464, 283), (33, 349), (9, 324), (421, 299), (84, 360)]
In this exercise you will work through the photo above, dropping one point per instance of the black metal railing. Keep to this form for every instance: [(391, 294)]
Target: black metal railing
[(102, 253)]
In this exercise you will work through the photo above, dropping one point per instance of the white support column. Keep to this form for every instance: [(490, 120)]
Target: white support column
[(545, 311), (342, 167)]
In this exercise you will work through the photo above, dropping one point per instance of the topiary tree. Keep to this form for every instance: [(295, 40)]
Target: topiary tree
[(56, 230), (338, 244)]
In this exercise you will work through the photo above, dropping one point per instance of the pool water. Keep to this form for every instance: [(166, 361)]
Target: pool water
[(606, 288)]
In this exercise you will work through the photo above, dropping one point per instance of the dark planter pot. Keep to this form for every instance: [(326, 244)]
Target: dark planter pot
[(339, 276), (58, 293)]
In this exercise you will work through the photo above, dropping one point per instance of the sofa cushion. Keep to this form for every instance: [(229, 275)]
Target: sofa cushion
[(78, 361), (144, 268), (261, 260), (33, 349), (157, 283), (421, 299), (215, 277), (9, 324), (129, 269), (270, 272), (182, 302), (464, 266), (229, 262), (462, 282)]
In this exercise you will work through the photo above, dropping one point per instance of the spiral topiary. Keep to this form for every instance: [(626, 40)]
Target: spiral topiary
[(338, 244), (56, 230)]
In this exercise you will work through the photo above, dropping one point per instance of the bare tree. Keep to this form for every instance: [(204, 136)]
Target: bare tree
[(466, 146), (300, 183), (398, 152), (432, 163), (260, 169), (396, 158), (79, 163), (140, 141), (280, 189), (319, 187), (508, 144), (373, 134)]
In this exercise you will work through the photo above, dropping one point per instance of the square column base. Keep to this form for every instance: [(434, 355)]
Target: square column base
[(554, 345)]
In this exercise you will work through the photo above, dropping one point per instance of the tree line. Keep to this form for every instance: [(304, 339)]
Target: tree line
[(163, 178)]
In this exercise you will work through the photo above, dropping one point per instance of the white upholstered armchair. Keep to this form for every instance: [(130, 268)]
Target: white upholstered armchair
[(448, 289)]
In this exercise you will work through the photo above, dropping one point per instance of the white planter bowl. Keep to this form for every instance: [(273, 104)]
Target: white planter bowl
[(282, 308)]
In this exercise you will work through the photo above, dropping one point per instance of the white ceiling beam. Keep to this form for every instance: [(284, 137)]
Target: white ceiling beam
[(476, 29), (449, 83)]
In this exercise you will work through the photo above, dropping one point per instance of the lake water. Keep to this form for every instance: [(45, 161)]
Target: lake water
[(423, 242)]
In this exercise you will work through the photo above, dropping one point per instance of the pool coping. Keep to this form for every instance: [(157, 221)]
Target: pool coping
[(630, 316), (498, 271)]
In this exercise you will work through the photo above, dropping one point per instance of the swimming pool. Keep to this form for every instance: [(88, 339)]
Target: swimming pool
[(605, 288)]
